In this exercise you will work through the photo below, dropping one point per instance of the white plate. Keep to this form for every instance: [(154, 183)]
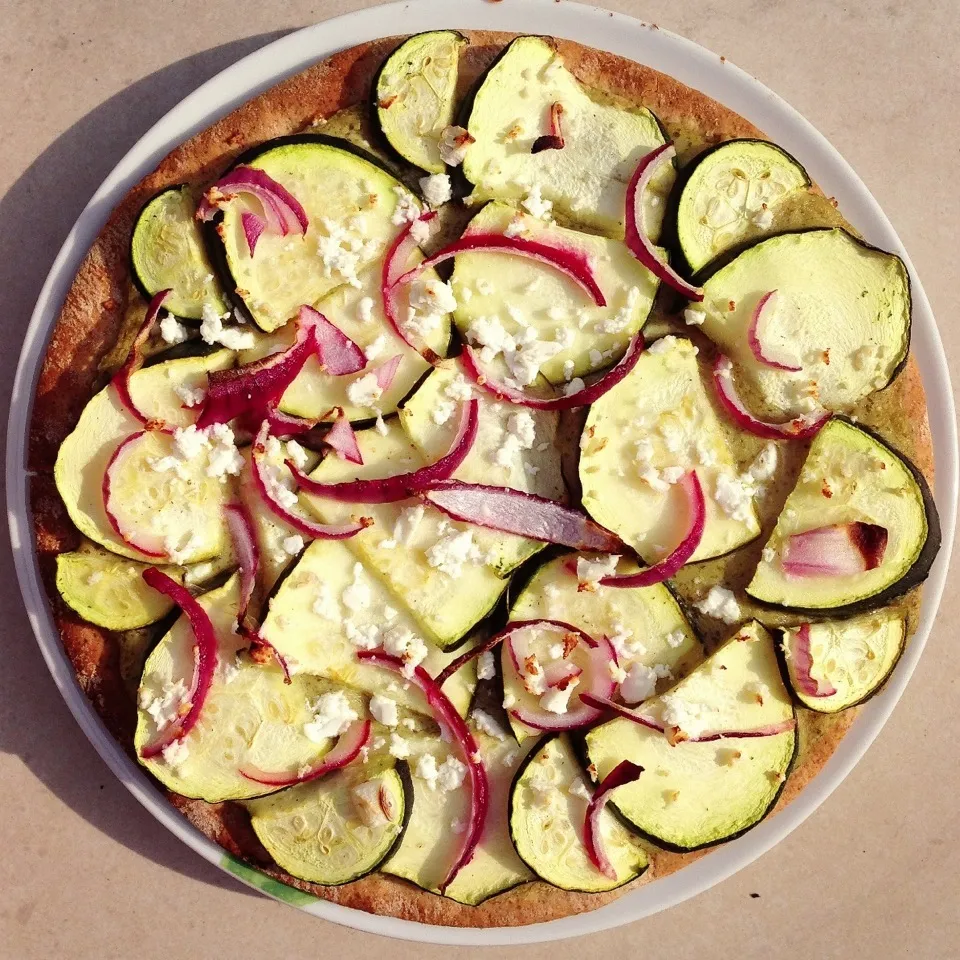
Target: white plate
[(616, 33)]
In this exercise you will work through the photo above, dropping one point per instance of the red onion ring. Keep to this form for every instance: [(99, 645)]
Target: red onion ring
[(244, 538), (337, 353), (842, 549), (803, 666), (623, 773), (765, 305), (282, 211), (149, 545), (342, 439), (253, 227), (134, 361)]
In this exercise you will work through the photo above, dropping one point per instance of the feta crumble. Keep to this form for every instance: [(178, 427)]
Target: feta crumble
[(384, 710), (721, 604), (332, 714), (436, 189)]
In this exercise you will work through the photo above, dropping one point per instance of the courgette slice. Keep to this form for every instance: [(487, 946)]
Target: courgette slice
[(658, 422), (445, 599), (188, 508), (250, 717), (842, 314), (548, 807), (586, 179), (580, 337), (427, 848), (167, 252), (339, 828), (730, 195), (695, 793), (345, 194), (514, 448), (843, 662), (358, 312), (413, 95), (850, 475), (310, 625)]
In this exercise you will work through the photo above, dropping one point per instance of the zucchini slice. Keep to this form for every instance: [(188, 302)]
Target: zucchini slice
[(187, 508), (729, 195), (850, 475), (582, 337), (695, 793), (109, 591), (586, 179), (413, 95), (445, 599), (548, 806), (310, 623), (843, 662), (358, 312), (336, 829), (250, 715), (167, 252), (350, 202), (842, 311), (507, 451), (657, 418), (424, 853)]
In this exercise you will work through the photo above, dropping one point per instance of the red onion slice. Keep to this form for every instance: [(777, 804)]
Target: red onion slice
[(842, 549), (152, 545), (404, 485), (605, 703), (245, 546), (282, 212), (554, 139), (803, 666), (582, 398), (560, 673), (345, 750), (338, 354), (765, 306), (449, 720), (134, 361), (623, 773), (263, 651), (569, 261), (342, 439), (309, 528), (387, 372), (638, 243), (696, 520), (397, 258), (204, 661), (286, 424), (800, 428), (253, 227), (524, 514)]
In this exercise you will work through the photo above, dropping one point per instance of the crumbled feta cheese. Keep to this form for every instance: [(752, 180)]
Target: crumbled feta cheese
[(536, 205), (297, 454), (94, 578), (694, 316), (357, 595), (617, 673), (509, 700), (384, 710), (172, 330), (426, 769), (487, 724), (734, 495), (639, 684), (486, 666), (406, 210), (293, 544), (691, 718), (164, 708), (410, 648), (453, 145), (175, 754), (332, 714), (621, 320), (213, 331), (452, 551), (365, 309), (373, 350), (436, 189), (663, 345), (399, 747), (591, 571), (407, 523), (432, 296), (721, 604), (191, 396), (675, 639), (574, 386), (765, 465), (450, 774), (515, 228), (365, 391), (763, 218)]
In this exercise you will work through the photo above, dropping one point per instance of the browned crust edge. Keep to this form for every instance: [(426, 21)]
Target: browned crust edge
[(89, 324)]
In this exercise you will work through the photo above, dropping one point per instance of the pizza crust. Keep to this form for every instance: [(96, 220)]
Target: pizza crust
[(92, 318)]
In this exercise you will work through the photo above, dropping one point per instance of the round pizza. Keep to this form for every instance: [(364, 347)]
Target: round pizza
[(480, 475)]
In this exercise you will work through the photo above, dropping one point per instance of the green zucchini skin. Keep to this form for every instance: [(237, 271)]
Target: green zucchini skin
[(912, 578), (134, 275)]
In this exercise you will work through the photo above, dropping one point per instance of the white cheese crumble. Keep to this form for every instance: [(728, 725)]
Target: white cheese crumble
[(365, 309), (325, 604), (639, 684), (555, 700), (374, 349), (293, 544), (357, 595), (691, 718), (400, 642), (763, 218), (694, 316), (734, 495), (406, 210), (487, 724), (621, 319), (452, 551), (164, 708), (190, 396), (663, 345), (426, 769), (213, 331), (721, 604), (536, 205), (175, 754), (675, 639), (384, 710), (365, 391), (297, 454), (486, 666), (432, 296), (450, 774), (332, 714), (172, 330), (399, 747), (453, 145), (436, 189), (407, 523), (574, 386), (591, 571)]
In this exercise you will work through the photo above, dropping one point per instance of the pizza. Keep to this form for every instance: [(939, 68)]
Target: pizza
[(480, 475)]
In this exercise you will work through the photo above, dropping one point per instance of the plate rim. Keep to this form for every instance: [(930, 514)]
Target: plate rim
[(593, 26)]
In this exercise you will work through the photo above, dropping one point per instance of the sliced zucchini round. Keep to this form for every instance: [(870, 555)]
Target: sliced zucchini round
[(413, 95), (433, 834), (338, 828), (491, 459), (730, 194), (547, 814), (852, 658), (445, 607), (167, 252), (586, 179), (105, 423), (851, 475), (528, 294), (843, 308), (250, 717), (345, 194), (695, 793), (657, 418), (109, 591)]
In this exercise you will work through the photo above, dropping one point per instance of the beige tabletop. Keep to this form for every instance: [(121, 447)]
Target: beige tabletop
[(86, 872)]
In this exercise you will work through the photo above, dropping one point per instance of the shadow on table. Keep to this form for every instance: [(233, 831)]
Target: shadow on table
[(35, 217)]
